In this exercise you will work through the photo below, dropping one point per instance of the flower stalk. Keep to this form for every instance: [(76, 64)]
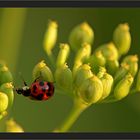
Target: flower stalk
[(77, 109)]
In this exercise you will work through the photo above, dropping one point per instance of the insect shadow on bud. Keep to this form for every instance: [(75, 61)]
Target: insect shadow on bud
[(46, 73)]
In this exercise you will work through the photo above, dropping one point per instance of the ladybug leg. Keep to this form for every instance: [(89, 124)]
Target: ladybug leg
[(25, 84)]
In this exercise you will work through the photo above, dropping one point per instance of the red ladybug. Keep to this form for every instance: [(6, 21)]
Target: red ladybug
[(39, 90)]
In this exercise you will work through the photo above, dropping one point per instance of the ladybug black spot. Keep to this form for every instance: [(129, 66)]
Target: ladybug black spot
[(34, 87), (41, 83), (43, 89), (40, 96), (48, 94), (34, 91)]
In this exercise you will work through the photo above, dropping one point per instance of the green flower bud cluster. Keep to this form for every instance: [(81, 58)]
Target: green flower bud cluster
[(6, 89), (94, 76)]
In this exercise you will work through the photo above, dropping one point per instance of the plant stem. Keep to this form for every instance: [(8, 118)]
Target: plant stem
[(52, 60), (11, 31), (77, 109)]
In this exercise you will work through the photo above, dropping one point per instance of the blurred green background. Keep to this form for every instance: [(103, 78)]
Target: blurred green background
[(21, 46)]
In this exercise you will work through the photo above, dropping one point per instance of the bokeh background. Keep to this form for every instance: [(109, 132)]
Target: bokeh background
[(21, 46)]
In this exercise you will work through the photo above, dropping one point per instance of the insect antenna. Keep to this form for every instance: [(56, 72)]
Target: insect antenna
[(22, 79)]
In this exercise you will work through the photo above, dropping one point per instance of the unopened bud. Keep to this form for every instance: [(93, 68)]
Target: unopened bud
[(101, 72), (3, 102), (43, 71), (122, 38), (5, 75), (82, 33), (63, 77), (76, 66), (91, 90), (63, 54), (96, 60), (7, 88), (123, 87), (132, 61), (12, 126), (50, 37), (83, 53), (107, 82), (112, 66), (82, 73), (109, 51), (121, 72)]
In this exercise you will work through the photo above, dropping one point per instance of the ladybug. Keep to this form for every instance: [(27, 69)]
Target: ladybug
[(39, 90)]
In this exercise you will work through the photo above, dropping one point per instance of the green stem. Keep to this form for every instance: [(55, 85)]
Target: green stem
[(11, 31), (77, 109), (52, 60)]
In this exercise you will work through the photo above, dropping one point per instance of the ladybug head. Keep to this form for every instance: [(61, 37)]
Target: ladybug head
[(24, 91)]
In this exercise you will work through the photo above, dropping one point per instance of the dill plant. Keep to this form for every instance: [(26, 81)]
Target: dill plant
[(98, 75)]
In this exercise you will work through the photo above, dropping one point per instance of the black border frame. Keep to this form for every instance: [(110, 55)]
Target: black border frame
[(66, 136), (70, 4)]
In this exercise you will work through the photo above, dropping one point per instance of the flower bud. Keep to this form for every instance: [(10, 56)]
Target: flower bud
[(63, 54), (63, 77), (50, 37), (138, 82), (3, 114), (101, 72), (82, 73), (121, 72), (96, 60), (12, 126), (122, 38), (3, 102), (7, 88), (82, 33), (123, 87), (107, 82), (83, 53), (5, 75), (112, 66), (109, 51), (76, 66), (43, 71), (132, 61), (91, 90)]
